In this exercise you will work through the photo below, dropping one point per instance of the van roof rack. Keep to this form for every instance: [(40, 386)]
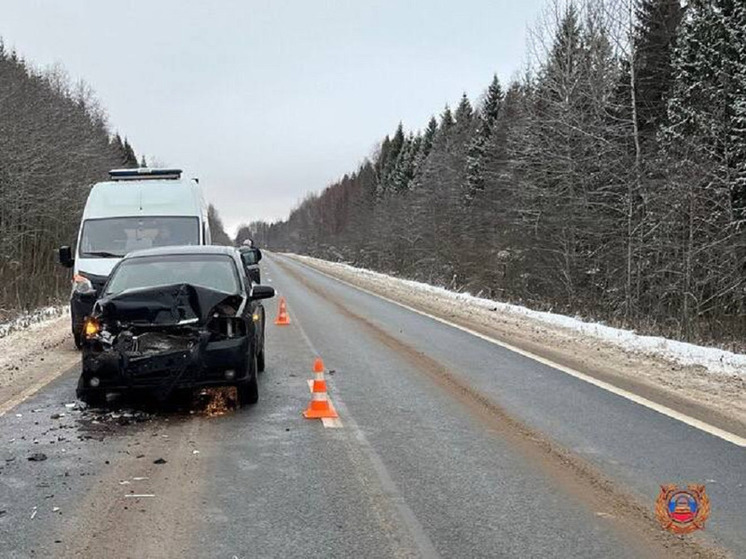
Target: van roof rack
[(144, 173)]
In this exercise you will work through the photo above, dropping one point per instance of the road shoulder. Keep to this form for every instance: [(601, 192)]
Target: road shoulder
[(33, 357)]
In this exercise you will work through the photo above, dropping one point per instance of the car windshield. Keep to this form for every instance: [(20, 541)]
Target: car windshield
[(116, 236), (213, 271)]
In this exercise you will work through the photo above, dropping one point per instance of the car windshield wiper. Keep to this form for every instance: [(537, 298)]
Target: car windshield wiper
[(103, 254)]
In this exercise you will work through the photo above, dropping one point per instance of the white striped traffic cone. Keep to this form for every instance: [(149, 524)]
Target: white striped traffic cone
[(320, 406)]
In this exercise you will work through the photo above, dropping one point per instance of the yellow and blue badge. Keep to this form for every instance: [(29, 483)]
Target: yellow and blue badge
[(682, 511)]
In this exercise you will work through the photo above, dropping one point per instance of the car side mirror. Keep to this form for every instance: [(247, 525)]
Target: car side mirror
[(65, 255), (258, 254), (262, 292)]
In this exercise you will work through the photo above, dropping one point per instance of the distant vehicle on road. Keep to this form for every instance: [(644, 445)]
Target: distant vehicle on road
[(250, 255), (175, 318), (136, 209)]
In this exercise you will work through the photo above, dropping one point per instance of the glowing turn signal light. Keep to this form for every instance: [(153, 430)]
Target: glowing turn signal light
[(91, 327)]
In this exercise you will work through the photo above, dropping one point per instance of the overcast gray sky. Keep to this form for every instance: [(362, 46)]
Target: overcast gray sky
[(267, 100)]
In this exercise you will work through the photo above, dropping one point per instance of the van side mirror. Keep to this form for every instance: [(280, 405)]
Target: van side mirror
[(65, 255), (262, 292), (258, 254)]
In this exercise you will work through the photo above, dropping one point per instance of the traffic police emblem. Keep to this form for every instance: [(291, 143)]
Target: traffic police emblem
[(682, 511)]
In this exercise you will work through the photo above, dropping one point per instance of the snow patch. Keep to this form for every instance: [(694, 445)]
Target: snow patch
[(711, 359), (35, 318)]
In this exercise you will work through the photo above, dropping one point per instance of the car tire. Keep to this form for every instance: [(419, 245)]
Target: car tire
[(260, 361), (92, 398), (78, 339), (248, 390)]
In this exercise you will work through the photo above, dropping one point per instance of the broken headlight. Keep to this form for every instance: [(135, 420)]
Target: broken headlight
[(227, 326)]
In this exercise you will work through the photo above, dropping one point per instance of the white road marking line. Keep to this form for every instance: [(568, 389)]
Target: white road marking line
[(664, 410), (19, 398), (331, 422)]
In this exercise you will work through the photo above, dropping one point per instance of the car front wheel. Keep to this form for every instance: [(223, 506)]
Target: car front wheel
[(78, 339), (248, 390)]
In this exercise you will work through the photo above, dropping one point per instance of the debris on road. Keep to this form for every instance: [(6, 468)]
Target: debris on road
[(37, 457), (159, 461), (219, 401), (135, 496), (33, 513)]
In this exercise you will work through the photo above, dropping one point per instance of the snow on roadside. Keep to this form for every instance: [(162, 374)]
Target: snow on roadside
[(36, 318), (33, 347), (711, 359)]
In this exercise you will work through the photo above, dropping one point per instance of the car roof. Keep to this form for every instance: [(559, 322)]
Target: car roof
[(187, 249)]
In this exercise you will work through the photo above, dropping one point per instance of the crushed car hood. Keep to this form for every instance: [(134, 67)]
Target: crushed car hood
[(164, 305)]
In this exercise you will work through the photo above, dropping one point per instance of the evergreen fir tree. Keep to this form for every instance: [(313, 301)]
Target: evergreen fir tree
[(464, 113), (487, 118), (492, 103), (380, 165), (404, 168), (655, 39), (705, 98), (737, 32), (395, 147), (130, 159), (424, 146), (446, 121)]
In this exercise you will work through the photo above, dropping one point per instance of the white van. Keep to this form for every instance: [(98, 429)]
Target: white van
[(136, 209)]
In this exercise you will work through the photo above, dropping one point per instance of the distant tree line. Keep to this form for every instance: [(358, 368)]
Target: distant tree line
[(54, 144), (256, 231), (608, 182)]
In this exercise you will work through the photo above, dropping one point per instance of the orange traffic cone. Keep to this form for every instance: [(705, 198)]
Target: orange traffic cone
[(282, 316), (320, 407)]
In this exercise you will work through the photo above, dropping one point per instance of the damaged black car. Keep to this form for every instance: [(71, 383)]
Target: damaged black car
[(175, 318)]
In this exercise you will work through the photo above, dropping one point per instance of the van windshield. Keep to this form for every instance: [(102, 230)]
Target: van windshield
[(116, 236)]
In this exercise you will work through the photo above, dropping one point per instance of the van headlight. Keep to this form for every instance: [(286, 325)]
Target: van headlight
[(82, 285)]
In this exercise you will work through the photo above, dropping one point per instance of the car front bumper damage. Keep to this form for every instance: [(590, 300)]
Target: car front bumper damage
[(194, 363), (174, 338)]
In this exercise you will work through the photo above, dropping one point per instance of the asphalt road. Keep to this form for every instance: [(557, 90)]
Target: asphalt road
[(449, 446)]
